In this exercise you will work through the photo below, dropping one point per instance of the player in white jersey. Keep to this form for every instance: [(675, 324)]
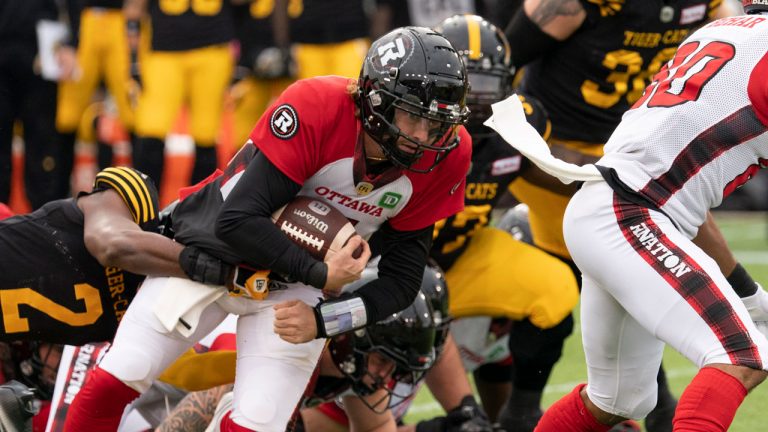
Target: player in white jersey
[(699, 131)]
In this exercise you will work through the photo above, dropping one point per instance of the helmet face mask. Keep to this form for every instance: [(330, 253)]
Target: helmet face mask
[(415, 70), (397, 349), (487, 57)]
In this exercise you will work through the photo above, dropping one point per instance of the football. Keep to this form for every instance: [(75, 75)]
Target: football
[(315, 226)]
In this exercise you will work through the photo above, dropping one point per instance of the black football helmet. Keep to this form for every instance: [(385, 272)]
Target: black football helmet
[(407, 338), (416, 70), (755, 6), (434, 287), (487, 57), (32, 359), (515, 222)]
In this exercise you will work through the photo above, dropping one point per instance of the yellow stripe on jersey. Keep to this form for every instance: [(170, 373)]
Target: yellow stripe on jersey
[(473, 38), (132, 190)]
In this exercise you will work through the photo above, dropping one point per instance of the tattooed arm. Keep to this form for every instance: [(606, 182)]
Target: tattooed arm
[(557, 18), (540, 26), (195, 411)]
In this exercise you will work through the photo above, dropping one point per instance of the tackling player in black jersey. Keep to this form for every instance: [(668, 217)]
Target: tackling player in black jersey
[(69, 270)]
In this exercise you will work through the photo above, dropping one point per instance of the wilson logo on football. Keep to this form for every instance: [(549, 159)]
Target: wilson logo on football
[(284, 122)]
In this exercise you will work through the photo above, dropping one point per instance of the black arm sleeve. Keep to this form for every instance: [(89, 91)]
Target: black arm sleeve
[(244, 224), (529, 40), (403, 257)]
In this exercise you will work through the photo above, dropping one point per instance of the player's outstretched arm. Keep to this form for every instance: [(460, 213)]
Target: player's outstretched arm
[(112, 236), (115, 240)]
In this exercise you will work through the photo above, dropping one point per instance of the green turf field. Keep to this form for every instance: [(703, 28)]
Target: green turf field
[(747, 234)]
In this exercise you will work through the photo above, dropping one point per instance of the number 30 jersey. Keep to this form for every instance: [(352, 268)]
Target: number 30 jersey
[(51, 288), (701, 128), (592, 78)]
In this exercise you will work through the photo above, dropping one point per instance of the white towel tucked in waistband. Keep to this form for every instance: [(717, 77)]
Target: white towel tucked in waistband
[(508, 120), (180, 302)]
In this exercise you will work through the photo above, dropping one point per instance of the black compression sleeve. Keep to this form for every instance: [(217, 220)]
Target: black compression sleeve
[(403, 257), (244, 223), (528, 40)]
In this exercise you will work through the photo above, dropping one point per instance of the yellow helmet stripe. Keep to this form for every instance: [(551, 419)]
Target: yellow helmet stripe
[(473, 38), (144, 190), (117, 187), (133, 192)]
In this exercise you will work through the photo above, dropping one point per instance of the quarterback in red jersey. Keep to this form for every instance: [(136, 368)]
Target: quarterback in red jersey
[(388, 151)]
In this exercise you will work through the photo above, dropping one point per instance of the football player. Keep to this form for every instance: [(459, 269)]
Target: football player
[(699, 131), (30, 100), (69, 270), (588, 61), (328, 37), (99, 51), (481, 263), (190, 61), (387, 151), (356, 374), (264, 69)]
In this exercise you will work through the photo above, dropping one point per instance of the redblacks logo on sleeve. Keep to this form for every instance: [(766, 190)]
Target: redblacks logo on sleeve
[(284, 122)]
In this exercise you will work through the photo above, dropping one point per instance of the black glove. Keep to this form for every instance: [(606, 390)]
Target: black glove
[(205, 268), (467, 417)]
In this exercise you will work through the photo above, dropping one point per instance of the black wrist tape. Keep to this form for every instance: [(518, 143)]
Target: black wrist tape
[(742, 282)]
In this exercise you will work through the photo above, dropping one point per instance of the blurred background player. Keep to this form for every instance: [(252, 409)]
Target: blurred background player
[(98, 52), (264, 69), (26, 97), (327, 37), (190, 62)]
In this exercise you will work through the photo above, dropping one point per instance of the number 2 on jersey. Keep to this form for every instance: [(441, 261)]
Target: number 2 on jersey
[(12, 299), (683, 79)]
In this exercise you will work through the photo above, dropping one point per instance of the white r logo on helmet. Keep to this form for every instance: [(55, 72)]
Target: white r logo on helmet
[(391, 51), (394, 53)]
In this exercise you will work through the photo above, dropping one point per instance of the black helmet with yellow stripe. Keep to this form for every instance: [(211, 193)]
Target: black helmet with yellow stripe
[(487, 57), (137, 190)]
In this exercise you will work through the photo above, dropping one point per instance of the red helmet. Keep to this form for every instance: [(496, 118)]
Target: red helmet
[(755, 6)]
